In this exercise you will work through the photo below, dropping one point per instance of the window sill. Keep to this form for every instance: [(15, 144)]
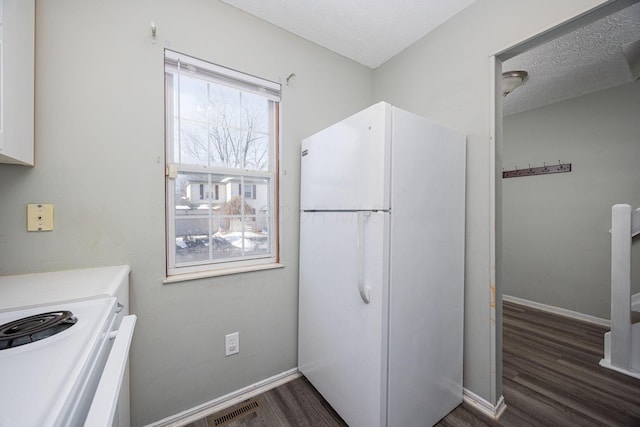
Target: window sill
[(222, 272)]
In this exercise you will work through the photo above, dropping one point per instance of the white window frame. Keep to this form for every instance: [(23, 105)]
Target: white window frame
[(176, 63)]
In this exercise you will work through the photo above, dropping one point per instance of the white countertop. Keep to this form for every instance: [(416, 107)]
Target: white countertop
[(41, 288)]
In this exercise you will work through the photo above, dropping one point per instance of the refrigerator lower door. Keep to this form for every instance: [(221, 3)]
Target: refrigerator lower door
[(342, 338)]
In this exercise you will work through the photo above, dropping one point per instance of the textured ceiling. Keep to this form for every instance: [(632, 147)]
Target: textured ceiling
[(584, 61), (367, 31), (371, 32)]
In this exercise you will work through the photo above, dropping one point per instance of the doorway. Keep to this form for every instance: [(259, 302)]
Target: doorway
[(553, 198)]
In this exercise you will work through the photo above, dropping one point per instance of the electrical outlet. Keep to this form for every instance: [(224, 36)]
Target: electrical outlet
[(232, 344)]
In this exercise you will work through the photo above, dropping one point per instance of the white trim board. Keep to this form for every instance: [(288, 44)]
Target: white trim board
[(558, 310), (607, 364), (635, 302), (484, 406), (228, 400)]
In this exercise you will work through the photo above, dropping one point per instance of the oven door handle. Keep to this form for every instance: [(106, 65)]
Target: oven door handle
[(105, 401)]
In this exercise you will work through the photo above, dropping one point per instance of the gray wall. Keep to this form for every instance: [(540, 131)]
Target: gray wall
[(99, 160), (446, 76), (557, 246)]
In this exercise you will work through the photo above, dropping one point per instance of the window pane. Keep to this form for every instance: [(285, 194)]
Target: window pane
[(194, 144), (197, 192), (240, 109), (193, 98), (257, 152), (220, 126), (215, 221), (245, 221), (192, 239)]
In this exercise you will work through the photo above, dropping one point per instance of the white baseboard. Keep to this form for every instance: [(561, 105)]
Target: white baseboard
[(226, 401), (492, 411), (607, 364), (557, 310)]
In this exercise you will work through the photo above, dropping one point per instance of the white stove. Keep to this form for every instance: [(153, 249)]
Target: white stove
[(73, 377)]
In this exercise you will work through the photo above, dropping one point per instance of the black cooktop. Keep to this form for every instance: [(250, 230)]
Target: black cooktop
[(34, 328)]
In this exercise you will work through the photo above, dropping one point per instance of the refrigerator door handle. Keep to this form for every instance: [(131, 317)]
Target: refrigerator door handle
[(365, 291)]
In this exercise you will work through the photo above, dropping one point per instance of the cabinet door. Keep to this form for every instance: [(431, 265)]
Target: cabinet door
[(17, 81)]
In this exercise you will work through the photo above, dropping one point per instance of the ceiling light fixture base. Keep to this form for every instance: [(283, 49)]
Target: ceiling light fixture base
[(511, 80)]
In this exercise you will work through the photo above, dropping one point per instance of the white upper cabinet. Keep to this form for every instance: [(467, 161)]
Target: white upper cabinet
[(17, 49)]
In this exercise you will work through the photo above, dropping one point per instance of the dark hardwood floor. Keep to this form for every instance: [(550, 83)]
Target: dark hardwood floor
[(296, 403), (551, 377)]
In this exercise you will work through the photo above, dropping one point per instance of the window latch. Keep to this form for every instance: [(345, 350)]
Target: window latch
[(172, 171)]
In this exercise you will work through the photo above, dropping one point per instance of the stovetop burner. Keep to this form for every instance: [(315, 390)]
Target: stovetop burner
[(34, 328)]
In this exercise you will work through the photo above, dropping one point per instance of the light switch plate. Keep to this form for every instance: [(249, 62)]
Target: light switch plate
[(39, 217)]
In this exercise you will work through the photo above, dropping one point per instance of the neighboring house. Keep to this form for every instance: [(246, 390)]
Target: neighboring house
[(201, 197), (200, 192)]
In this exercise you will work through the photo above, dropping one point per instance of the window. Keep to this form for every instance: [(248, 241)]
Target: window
[(250, 191), (205, 195), (222, 162)]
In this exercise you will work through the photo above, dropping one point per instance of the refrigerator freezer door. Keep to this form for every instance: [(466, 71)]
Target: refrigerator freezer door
[(342, 345), (346, 166)]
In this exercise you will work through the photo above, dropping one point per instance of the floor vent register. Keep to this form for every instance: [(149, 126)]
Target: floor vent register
[(232, 414)]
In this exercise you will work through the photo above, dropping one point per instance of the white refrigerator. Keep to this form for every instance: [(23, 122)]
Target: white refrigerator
[(382, 267)]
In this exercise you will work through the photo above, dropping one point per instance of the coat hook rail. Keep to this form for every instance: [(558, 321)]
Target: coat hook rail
[(539, 170)]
